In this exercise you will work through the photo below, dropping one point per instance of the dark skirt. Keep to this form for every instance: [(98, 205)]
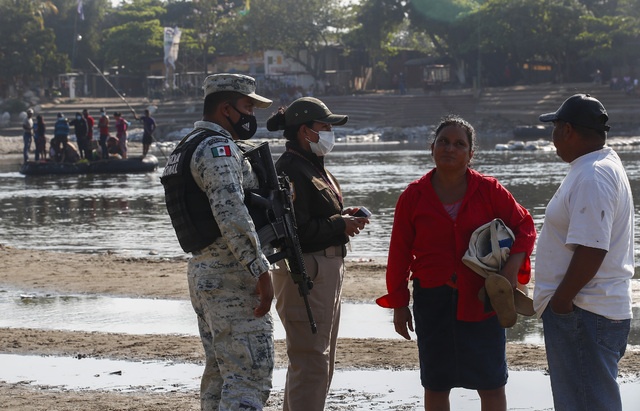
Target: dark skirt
[(456, 353)]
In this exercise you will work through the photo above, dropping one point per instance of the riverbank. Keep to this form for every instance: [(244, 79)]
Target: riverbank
[(39, 271), (494, 111)]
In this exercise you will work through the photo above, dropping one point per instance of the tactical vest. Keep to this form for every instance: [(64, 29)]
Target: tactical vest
[(187, 204)]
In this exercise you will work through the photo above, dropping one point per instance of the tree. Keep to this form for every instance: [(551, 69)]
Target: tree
[(611, 40), (134, 45), (27, 50), (600, 8), (43, 9), (182, 14), (138, 40), (375, 23), (532, 30), (301, 29), (441, 21), (78, 38), (210, 18)]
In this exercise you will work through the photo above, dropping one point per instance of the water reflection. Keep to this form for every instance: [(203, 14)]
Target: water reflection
[(153, 316), (91, 313), (126, 213), (377, 390)]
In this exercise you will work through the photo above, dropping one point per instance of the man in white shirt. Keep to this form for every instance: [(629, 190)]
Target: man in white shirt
[(584, 262)]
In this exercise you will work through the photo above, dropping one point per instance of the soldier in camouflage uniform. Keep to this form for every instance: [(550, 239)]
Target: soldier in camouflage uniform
[(228, 273)]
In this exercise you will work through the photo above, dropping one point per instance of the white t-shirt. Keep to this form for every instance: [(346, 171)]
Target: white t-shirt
[(27, 125), (593, 207)]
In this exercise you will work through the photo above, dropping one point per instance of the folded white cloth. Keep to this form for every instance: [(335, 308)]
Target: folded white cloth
[(489, 248)]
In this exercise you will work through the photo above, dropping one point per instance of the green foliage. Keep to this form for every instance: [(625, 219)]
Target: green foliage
[(601, 8), (611, 39), (299, 28), (140, 10), (134, 45), (630, 8), (210, 20), (376, 22), (532, 30), (407, 37), (26, 45), (446, 11), (440, 20), (135, 38), (40, 38)]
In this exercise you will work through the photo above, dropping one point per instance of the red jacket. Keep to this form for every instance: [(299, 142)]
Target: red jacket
[(428, 245), (90, 123)]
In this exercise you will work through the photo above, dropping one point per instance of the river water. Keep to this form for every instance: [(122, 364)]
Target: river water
[(125, 214)]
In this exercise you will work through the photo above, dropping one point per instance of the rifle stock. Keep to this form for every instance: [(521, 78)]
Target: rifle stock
[(271, 209)]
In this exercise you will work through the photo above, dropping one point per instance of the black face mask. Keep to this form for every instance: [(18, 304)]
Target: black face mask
[(246, 126)]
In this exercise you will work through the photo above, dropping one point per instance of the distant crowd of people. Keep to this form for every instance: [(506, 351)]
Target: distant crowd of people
[(626, 84), (86, 147)]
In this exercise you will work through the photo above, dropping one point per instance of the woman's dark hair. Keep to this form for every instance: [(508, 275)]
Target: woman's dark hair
[(213, 100), (277, 122), (455, 120)]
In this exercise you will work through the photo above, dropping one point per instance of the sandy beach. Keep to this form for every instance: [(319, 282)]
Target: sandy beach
[(36, 271), (108, 274)]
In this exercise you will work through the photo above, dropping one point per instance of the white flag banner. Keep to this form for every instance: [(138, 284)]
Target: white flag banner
[(80, 10), (171, 45)]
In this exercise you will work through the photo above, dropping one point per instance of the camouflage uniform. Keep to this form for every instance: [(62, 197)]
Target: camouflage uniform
[(222, 282)]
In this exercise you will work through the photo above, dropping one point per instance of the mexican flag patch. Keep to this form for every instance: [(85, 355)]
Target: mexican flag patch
[(222, 151)]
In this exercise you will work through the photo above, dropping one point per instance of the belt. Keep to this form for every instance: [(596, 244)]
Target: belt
[(333, 251)]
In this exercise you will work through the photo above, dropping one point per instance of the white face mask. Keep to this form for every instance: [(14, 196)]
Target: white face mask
[(326, 141)]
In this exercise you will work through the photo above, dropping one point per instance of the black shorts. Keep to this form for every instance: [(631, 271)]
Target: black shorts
[(456, 353), (147, 139)]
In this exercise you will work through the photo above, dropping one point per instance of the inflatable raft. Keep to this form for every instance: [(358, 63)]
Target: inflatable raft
[(111, 166)]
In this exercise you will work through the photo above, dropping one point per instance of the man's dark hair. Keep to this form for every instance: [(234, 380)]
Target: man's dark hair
[(213, 100), (590, 133)]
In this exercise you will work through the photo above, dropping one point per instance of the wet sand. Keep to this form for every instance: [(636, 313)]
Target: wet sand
[(114, 275), (108, 274)]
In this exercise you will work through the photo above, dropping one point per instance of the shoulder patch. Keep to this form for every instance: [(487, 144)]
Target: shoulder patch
[(221, 151), (215, 140)]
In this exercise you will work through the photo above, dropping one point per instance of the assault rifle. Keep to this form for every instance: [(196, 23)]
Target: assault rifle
[(271, 209)]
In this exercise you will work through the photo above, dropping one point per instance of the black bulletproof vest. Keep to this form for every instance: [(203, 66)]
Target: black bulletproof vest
[(187, 204)]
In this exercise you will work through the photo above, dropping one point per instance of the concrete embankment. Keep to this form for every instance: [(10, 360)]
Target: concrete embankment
[(496, 109)]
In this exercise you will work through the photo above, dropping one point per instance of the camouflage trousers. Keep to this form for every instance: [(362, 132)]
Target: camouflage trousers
[(238, 346)]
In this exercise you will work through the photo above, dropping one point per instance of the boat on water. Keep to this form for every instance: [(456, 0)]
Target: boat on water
[(517, 145), (527, 132), (110, 166)]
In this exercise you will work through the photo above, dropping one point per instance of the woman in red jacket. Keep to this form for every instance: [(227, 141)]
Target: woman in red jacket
[(460, 343)]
